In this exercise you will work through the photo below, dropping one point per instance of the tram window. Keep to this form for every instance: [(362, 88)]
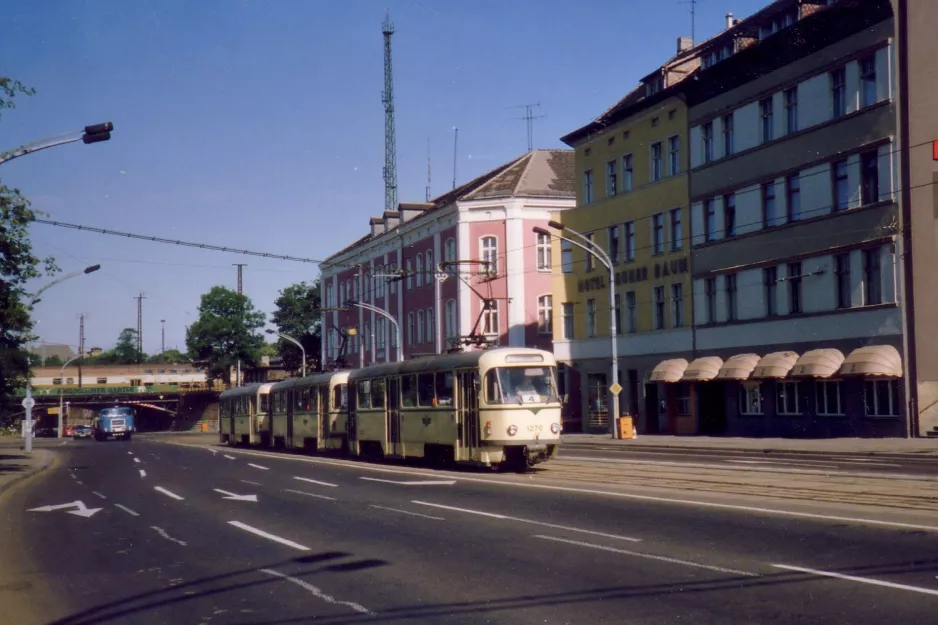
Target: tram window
[(265, 403), (364, 394), (506, 385), (444, 388), (408, 391), (314, 399), (425, 390), (340, 397), (377, 393)]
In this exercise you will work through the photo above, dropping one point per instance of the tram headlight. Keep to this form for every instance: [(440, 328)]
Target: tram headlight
[(512, 430), (555, 427)]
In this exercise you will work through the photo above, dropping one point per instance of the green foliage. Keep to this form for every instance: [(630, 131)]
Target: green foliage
[(269, 349), (53, 361), (298, 315), (169, 357), (124, 352), (225, 332)]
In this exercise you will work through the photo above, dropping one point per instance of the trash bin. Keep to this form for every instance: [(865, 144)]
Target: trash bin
[(626, 427), (205, 427)]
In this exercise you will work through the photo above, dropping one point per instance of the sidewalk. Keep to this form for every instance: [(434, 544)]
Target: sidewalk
[(912, 447), (17, 465)]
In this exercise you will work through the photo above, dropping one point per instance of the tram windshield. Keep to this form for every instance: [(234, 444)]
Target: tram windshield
[(520, 385)]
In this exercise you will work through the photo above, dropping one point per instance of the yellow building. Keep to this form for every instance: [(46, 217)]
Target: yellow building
[(633, 202)]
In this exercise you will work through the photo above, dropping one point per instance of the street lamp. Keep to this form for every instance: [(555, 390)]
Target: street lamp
[(386, 315), (597, 252), (89, 134), (62, 390), (295, 342), (35, 300)]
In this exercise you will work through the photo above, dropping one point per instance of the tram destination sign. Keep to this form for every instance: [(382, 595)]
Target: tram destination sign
[(632, 275)]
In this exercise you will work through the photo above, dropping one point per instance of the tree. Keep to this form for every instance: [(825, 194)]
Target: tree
[(225, 332), (170, 356), (17, 265), (298, 315), (126, 352), (269, 349), (53, 361)]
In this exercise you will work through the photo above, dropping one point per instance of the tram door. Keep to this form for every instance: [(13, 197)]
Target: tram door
[(291, 414), (468, 409), (394, 416)]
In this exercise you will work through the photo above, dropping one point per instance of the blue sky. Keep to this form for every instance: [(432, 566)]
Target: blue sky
[(258, 124)]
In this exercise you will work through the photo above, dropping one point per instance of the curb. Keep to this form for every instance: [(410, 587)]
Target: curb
[(28, 473), (764, 450)]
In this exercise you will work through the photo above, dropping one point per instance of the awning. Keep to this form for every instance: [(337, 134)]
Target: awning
[(669, 370), (774, 365), (818, 363), (738, 367), (702, 369), (880, 360)]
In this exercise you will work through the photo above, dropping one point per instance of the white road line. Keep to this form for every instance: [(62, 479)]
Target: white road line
[(425, 516), (162, 532), (126, 509), (79, 482), (155, 456), (316, 592), (263, 534), (520, 520), (250, 482), (168, 493), (62, 443), (229, 457), (862, 580), (142, 473), (137, 460), (698, 565), (306, 479), (412, 483), (303, 492), (130, 453), (99, 494), (257, 466)]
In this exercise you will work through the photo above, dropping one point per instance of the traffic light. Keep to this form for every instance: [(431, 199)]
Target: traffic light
[(98, 132)]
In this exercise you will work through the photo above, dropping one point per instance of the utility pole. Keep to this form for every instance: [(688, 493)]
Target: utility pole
[(390, 137), (240, 267), (140, 299), (529, 118), (162, 336), (81, 343)]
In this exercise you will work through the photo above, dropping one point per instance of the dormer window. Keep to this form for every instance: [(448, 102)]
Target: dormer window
[(654, 85), (717, 54), (777, 23)]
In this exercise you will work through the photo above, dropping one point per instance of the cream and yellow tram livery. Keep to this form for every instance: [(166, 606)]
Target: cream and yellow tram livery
[(242, 414), (494, 407), (310, 413)]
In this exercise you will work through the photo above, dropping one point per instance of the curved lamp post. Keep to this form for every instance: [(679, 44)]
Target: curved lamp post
[(35, 300), (295, 342), (386, 315)]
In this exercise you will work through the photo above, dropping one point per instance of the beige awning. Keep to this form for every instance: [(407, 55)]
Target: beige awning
[(879, 360), (669, 370), (738, 367), (774, 365), (818, 363), (702, 369)]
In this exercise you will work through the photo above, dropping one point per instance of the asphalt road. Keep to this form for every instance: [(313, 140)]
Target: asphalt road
[(174, 534), (757, 459)]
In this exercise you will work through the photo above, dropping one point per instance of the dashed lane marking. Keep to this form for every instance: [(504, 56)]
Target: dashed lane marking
[(263, 534), (306, 479), (854, 578), (168, 493), (126, 509)]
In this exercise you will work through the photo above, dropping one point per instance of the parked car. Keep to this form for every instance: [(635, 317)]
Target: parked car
[(82, 431)]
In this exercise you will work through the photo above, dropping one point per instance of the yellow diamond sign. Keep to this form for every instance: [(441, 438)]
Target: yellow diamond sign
[(615, 389)]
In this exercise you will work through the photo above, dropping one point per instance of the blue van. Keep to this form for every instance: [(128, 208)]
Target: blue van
[(117, 422)]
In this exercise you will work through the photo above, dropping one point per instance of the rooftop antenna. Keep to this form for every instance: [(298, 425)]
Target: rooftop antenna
[(390, 139), (455, 144), (529, 118), (693, 18), (428, 169)]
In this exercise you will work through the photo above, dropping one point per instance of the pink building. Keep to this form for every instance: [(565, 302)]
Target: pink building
[(434, 266)]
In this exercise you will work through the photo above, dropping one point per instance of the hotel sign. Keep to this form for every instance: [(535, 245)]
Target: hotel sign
[(636, 274)]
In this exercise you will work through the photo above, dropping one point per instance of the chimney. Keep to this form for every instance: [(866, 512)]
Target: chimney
[(391, 220), (730, 20), (411, 210), (377, 226), (684, 44)]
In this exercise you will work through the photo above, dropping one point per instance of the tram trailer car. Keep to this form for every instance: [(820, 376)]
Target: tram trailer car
[(115, 422), (311, 413), (243, 415)]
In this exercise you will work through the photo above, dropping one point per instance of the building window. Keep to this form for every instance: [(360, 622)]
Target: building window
[(612, 182), (567, 320), (656, 161), (794, 288), (490, 318), (617, 311), (869, 177), (710, 220), (411, 329), (868, 81), (770, 284), (677, 236), (710, 294), (872, 278), (657, 233), (841, 187), (614, 244), (545, 311), (843, 281), (838, 92), (674, 155), (419, 327), (659, 308), (451, 325), (431, 326), (630, 240), (729, 215), (632, 311), (590, 260), (489, 247), (420, 274), (750, 399), (881, 398), (543, 251), (730, 296), (768, 119), (793, 191), (707, 135), (381, 328), (566, 256), (769, 210), (791, 110), (729, 143), (431, 270), (627, 173), (588, 187), (677, 305), (787, 398), (590, 317), (410, 274), (449, 254), (827, 395)]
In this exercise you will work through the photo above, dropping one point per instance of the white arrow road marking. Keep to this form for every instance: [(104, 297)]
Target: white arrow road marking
[(306, 479), (412, 483), (142, 473), (229, 457), (316, 592), (263, 534), (82, 510), (257, 466), (162, 532), (126, 509), (167, 493), (214, 451), (236, 497)]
